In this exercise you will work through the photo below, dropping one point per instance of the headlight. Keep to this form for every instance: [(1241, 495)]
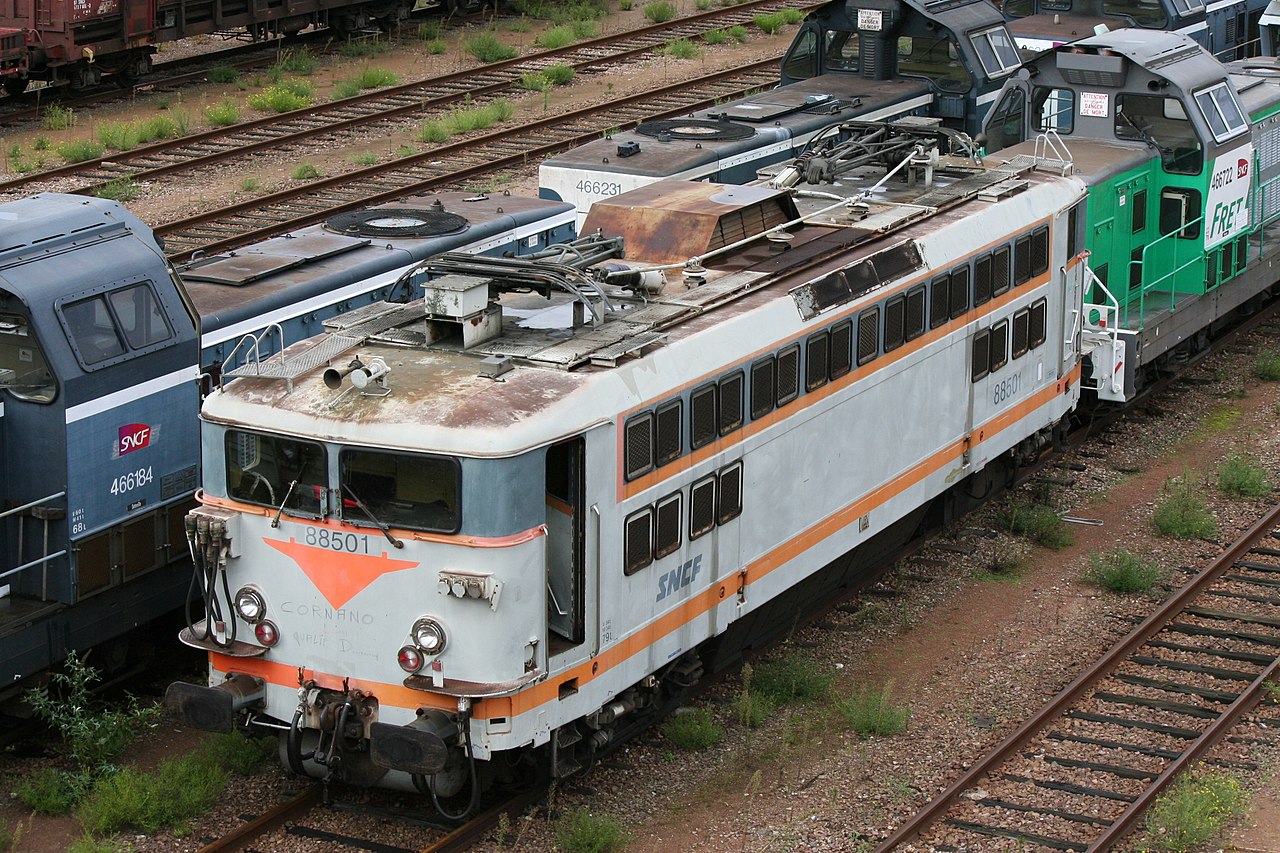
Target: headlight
[(428, 634), (249, 604)]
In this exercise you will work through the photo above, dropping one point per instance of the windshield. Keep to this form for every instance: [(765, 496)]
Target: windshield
[(24, 373), (277, 472), (399, 490)]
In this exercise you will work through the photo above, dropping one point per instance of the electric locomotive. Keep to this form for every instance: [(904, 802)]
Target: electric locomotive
[(105, 351), (522, 515), (1179, 153), (868, 61)]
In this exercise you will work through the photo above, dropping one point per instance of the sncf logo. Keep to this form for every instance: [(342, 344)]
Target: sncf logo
[(133, 437), (678, 578)]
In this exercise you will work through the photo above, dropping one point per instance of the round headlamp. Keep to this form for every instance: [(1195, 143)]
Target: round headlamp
[(428, 635), (250, 605)]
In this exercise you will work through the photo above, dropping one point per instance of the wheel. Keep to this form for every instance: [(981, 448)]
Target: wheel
[(14, 85)]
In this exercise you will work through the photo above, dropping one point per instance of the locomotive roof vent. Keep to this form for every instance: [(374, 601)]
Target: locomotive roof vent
[(404, 222), (694, 128)]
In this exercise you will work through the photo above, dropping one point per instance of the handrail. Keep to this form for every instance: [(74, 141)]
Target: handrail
[(1146, 286), (37, 561), (1045, 141), (254, 354), (45, 500)]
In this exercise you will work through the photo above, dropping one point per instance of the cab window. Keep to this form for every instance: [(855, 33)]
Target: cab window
[(1221, 111), (840, 50), (1144, 12), (1160, 122), (1005, 126), (996, 51), (109, 325), (399, 490), (801, 62), (1053, 109), (24, 373), (936, 59), (276, 471)]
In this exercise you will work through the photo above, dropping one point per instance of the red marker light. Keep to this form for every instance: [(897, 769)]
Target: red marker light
[(410, 659), (266, 633)]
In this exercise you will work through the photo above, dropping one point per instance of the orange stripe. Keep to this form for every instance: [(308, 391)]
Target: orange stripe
[(678, 617), (659, 475), (400, 533)]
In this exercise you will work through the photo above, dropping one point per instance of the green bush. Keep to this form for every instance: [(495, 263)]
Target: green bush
[(40, 143), (715, 37), (121, 190), (433, 130), (301, 61), (791, 16), (1267, 366), (1121, 571), (250, 184), (626, 5), (770, 23), (238, 754), (435, 47), (555, 38), (580, 831), (738, 33), (222, 114), (118, 135), (793, 676), (51, 792), (179, 789), (1182, 513), (486, 47), (871, 712), (534, 81), (281, 99), (1241, 476), (81, 150), (377, 78), (59, 118), (696, 729), (559, 75), (1195, 809), (159, 127), (680, 49), (660, 11), (223, 74), (305, 172), (1038, 523), (585, 29)]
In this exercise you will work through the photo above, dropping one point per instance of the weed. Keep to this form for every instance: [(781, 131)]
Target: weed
[(585, 29), (435, 47), (487, 47), (59, 118), (179, 789), (1038, 523), (519, 25), (792, 676), (1122, 571), (1242, 477), (1182, 513), (681, 49), (625, 5), (377, 78), (770, 23), (305, 172), (660, 12), (223, 74), (121, 189), (368, 158), (158, 127), (40, 143), (88, 844), (696, 729), (871, 712), (78, 151), (51, 792), (118, 135), (406, 151), (479, 118), (1267, 366), (559, 75), (181, 122), (738, 33), (1194, 810), (702, 5), (715, 37), (223, 113), (580, 831), (791, 16), (15, 151), (534, 81), (290, 61), (1004, 566), (428, 30), (238, 754), (555, 38), (280, 99), (364, 48), (752, 707), (433, 130), (250, 184)]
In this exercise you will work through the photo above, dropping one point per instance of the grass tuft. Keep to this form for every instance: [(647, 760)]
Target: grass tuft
[(555, 38), (59, 118), (223, 74), (179, 789), (301, 61), (1242, 477), (80, 150), (790, 677), (696, 729), (487, 47), (738, 33), (1182, 513), (222, 114), (660, 12), (580, 831), (1122, 571), (1195, 809), (534, 81), (680, 49), (1039, 523), (305, 172), (433, 130), (871, 712), (559, 75), (1267, 367), (51, 792), (118, 135), (364, 48), (714, 37), (285, 97), (435, 47), (769, 23), (121, 190)]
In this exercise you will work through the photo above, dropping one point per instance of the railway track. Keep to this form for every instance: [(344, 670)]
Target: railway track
[(1080, 773), (396, 103), (449, 165)]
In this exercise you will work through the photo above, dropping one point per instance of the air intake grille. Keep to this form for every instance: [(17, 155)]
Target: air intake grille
[(669, 417), (730, 493), (841, 349), (702, 410), (815, 374), (762, 390), (639, 445), (730, 403), (788, 375), (666, 534)]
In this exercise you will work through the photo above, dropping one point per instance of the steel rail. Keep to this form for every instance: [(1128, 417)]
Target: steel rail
[(1078, 687), (406, 99), (375, 190), (269, 821)]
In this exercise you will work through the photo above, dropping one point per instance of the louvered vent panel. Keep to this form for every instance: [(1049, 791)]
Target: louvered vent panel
[(1021, 333), (893, 317), (639, 446), (815, 369), (702, 507), (730, 493), (868, 335), (730, 403), (666, 534), (915, 314), (639, 544), (669, 418), (702, 415), (841, 349), (788, 375), (763, 394)]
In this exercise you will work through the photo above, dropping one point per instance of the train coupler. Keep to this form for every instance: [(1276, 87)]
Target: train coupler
[(214, 709), (421, 747)]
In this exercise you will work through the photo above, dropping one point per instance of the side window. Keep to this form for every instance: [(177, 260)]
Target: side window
[(702, 416), (1036, 330), (868, 335), (1138, 214), (139, 314), (788, 374), (1006, 124), (801, 61), (999, 345), (815, 361), (981, 355), (840, 51), (1180, 213), (939, 301), (1021, 328), (639, 446), (1053, 109), (730, 493), (841, 348), (996, 51), (667, 428), (959, 292), (93, 332), (913, 324), (982, 280), (638, 547), (1000, 271), (702, 507), (763, 392), (666, 528), (730, 403), (108, 325), (894, 317), (1221, 111)]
